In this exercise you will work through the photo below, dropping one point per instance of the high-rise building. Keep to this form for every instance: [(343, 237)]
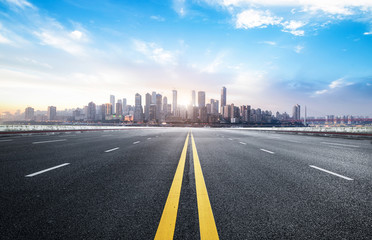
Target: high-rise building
[(174, 103), (296, 112), (52, 113), (119, 109), (203, 115), (152, 113), (153, 100), (138, 110), (158, 107), (112, 101), (214, 106), (201, 99), (91, 112), (108, 108), (193, 97), (223, 98), (125, 108), (147, 106), (29, 114), (165, 109)]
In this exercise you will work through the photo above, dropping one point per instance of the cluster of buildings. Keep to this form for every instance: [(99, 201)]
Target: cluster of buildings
[(155, 109)]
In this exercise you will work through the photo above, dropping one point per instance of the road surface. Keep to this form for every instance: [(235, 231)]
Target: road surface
[(226, 183)]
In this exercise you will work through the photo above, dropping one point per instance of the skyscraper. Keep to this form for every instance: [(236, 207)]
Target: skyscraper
[(119, 109), (108, 109), (147, 106), (165, 107), (193, 97), (138, 111), (174, 104), (29, 114), (214, 106), (125, 107), (201, 99), (153, 100), (112, 101), (223, 98), (158, 107), (296, 112), (91, 112), (52, 113)]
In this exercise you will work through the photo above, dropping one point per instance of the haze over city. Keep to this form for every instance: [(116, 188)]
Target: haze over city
[(271, 55)]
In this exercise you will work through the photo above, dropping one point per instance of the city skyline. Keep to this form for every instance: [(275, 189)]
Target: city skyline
[(268, 54)]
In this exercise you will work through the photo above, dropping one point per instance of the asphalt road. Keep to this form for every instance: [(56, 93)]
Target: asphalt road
[(115, 185)]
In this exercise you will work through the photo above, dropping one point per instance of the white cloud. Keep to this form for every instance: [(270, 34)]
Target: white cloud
[(368, 33), (321, 92), (255, 13), (60, 41), (4, 40), (293, 27), (343, 7), (256, 18), (215, 64), (339, 83), (20, 3), (35, 62), (154, 52), (76, 35), (272, 43), (158, 18), (298, 48), (179, 7)]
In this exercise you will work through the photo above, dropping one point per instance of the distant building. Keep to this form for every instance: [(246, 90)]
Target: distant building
[(153, 99), (296, 112), (158, 107), (119, 109), (125, 107), (52, 113), (165, 107), (174, 103), (138, 110), (112, 101), (91, 111), (147, 106), (223, 98), (193, 97), (203, 116), (214, 107), (152, 113), (108, 108), (201, 99), (29, 114)]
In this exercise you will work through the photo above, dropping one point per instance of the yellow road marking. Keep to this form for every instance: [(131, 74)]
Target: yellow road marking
[(168, 219), (207, 225)]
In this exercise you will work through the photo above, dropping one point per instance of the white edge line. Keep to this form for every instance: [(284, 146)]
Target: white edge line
[(339, 144), (267, 151), (50, 141), (148, 138), (7, 140), (242, 143), (336, 174), (46, 170), (136, 142), (113, 149)]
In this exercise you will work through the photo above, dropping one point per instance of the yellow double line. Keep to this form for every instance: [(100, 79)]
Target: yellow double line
[(167, 224)]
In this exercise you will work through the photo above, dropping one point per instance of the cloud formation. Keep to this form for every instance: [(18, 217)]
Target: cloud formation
[(155, 52), (256, 13)]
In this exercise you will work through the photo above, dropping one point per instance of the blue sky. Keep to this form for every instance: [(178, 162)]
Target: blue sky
[(269, 54)]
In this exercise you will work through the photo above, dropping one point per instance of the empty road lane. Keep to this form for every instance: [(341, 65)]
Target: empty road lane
[(185, 183)]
